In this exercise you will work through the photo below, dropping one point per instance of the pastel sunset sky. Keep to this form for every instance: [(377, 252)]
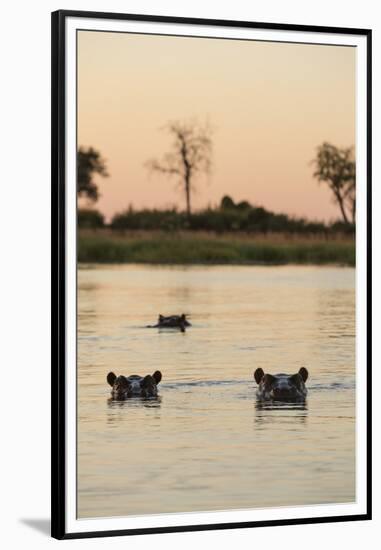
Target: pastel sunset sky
[(270, 105)]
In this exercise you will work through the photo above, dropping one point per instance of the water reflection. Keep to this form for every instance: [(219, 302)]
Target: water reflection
[(280, 406), (181, 293), (133, 402), (118, 411), (280, 412)]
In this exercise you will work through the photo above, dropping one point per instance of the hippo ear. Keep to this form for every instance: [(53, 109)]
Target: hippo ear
[(157, 376), (303, 373), (258, 375), (111, 377)]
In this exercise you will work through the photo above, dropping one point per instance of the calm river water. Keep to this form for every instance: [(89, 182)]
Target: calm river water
[(206, 444)]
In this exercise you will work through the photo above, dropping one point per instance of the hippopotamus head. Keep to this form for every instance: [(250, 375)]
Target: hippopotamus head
[(173, 321), (281, 387), (124, 387)]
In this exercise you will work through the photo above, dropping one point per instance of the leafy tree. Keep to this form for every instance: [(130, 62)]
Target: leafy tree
[(89, 162), (227, 203), (337, 167), (243, 205), (90, 219), (190, 155)]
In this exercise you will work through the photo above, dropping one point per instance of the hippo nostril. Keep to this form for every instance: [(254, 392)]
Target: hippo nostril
[(282, 393)]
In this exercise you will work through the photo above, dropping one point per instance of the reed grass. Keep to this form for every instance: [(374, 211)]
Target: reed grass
[(105, 246)]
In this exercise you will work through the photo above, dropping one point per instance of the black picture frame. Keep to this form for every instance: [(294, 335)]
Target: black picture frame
[(58, 250)]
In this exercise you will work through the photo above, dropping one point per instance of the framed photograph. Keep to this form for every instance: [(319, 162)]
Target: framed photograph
[(211, 274)]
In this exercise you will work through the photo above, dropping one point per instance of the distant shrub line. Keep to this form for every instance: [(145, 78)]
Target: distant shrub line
[(228, 217)]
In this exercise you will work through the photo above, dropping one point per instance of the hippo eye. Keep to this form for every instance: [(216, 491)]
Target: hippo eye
[(147, 381), (122, 382), (296, 379), (269, 379)]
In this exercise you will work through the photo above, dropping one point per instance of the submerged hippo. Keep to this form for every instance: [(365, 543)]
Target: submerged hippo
[(124, 387), (281, 387), (172, 321)]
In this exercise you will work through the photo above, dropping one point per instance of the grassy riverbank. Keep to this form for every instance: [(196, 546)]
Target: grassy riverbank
[(105, 246)]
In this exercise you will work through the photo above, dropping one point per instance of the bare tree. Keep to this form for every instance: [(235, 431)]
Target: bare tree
[(190, 155), (337, 167)]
